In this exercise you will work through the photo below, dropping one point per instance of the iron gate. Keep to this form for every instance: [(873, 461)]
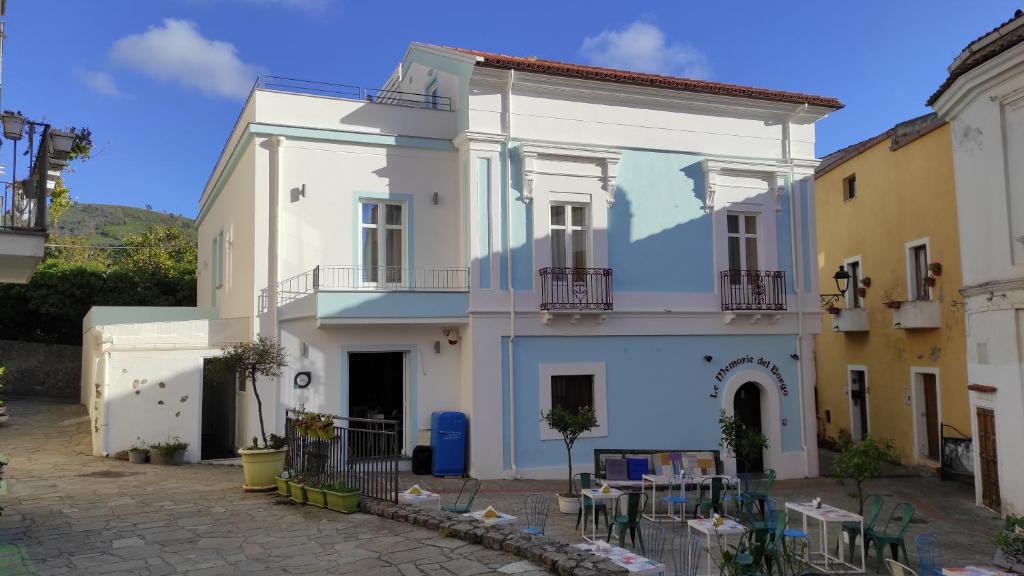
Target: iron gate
[(957, 455), (361, 453)]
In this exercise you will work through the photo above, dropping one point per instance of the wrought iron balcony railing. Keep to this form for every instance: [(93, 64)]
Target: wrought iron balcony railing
[(350, 92), (575, 289), (753, 290)]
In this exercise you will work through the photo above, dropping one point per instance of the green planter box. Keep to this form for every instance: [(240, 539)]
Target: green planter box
[(297, 492), (282, 486), (347, 502), (315, 496)]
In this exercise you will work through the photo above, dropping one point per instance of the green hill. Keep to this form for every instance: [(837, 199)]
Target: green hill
[(106, 224)]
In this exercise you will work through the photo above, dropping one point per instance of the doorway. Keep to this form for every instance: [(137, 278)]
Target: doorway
[(926, 405), (858, 404), (746, 405), (989, 459), (217, 439), (376, 388)]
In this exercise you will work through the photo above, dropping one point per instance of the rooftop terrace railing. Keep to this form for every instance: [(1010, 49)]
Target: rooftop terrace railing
[(351, 92)]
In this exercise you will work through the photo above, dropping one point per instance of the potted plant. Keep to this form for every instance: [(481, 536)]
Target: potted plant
[(834, 310), (3, 409), (138, 453), (315, 495), (170, 453), (570, 425), (341, 498), (1010, 542), (862, 291), (860, 462), (742, 441), (254, 358), (297, 490), (893, 304), (282, 483), (866, 281), (935, 268)]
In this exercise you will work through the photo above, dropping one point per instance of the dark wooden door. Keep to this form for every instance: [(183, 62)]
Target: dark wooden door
[(989, 459), (747, 408), (931, 414), (218, 417)]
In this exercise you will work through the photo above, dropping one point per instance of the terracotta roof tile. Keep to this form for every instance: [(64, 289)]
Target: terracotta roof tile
[(898, 136), (973, 56), (570, 70)]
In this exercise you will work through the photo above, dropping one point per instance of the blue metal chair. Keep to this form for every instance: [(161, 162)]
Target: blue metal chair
[(929, 555), (687, 552), (535, 514), (672, 500), (652, 540)]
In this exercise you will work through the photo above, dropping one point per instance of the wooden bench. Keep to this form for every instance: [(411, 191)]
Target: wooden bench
[(656, 459)]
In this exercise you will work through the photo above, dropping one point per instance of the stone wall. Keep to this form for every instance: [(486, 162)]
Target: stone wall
[(47, 370)]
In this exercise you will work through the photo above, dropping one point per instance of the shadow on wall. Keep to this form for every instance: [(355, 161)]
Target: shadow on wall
[(45, 370)]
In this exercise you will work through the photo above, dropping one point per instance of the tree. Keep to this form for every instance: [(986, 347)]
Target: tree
[(254, 358), (570, 425), (862, 461), (742, 441)]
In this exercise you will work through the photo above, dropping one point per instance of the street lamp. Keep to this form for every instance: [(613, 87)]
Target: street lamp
[(842, 278), (14, 125)]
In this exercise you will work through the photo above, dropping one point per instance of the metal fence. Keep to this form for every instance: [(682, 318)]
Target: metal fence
[(957, 455), (361, 453), (575, 289), (380, 96), (753, 290), (390, 278)]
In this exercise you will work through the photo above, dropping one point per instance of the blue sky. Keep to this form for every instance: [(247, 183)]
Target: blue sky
[(160, 82)]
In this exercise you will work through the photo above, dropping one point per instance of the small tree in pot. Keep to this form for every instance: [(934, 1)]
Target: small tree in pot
[(571, 425), (261, 463), (861, 461), (742, 441)]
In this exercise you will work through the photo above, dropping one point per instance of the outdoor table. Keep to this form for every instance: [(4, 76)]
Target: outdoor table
[(671, 481), (424, 500), (707, 527), (821, 559), (976, 571), (501, 519), (595, 495), (634, 563)]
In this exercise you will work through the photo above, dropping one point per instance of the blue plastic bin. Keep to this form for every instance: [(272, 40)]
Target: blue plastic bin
[(636, 468), (448, 431)]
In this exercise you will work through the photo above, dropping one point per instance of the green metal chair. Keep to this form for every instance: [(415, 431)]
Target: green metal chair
[(582, 481), (869, 510), (709, 499), (759, 496), (465, 498), (891, 534), (635, 504)]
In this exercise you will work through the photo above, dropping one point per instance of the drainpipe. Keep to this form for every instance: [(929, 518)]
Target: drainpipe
[(797, 279), (508, 277), (276, 142)]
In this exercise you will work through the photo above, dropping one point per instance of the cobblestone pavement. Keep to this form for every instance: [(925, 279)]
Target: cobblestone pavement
[(71, 513)]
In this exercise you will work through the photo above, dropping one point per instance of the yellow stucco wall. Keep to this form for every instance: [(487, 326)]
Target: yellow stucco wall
[(902, 196)]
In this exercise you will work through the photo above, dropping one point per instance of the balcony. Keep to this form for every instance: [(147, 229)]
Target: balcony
[(575, 290), (850, 320), (22, 229), (915, 314), (350, 92), (377, 294), (753, 290)]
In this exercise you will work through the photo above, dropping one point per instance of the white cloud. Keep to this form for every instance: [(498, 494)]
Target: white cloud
[(177, 52), (99, 82), (642, 46)]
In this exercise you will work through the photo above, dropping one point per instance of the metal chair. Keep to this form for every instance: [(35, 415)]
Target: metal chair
[(467, 493), (929, 555), (535, 514), (873, 505), (893, 537), (709, 500), (652, 540), (581, 481), (759, 496), (636, 502), (897, 569), (687, 551)]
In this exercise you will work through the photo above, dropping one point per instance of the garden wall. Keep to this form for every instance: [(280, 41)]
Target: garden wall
[(48, 370)]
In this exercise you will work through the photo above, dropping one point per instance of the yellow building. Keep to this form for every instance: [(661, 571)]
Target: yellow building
[(891, 355)]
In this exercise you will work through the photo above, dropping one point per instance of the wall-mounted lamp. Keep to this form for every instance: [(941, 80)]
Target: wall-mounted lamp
[(435, 198), (842, 278), (794, 356), (452, 334), (437, 346), (708, 358)]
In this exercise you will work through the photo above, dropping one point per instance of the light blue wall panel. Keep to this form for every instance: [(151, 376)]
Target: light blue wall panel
[(784, 236), (659, 390), (483, 219)]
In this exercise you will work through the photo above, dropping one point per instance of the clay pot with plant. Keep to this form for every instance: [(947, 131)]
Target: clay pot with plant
[(935, 268), (171, 452), (834, 310), (138, 453)]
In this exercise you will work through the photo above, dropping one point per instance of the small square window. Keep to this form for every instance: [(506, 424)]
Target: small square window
[(240, 381), (572, 392), (850, 187)]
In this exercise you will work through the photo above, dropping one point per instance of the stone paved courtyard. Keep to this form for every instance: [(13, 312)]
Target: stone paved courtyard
[(71, 513)]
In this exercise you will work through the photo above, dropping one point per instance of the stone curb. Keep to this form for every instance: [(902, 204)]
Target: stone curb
[(553, 555)]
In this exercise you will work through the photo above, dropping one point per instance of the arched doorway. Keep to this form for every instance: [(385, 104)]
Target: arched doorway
[(746, 405)]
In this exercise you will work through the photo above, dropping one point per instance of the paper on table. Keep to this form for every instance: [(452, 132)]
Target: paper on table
[(605, 488), (490, 512), (415, 490)]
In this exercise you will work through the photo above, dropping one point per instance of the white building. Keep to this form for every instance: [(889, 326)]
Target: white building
[(496, 235), (983, 100)]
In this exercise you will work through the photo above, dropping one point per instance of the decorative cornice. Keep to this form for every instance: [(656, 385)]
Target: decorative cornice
[(608, 158), (984, 388), (987, 288), (471, 139)]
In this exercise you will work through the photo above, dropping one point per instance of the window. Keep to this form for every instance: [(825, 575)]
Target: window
[(572, 386), (572, 391), (918, 256), (382, 242), (219, 257), (742, 238), (850, 187), (569, 241), (431, 99), (853, 299)]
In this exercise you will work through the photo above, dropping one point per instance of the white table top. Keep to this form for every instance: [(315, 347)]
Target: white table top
[(596, 494), (826, 513), (706, 525), (975, 571), (501, 519), (634, 563), (423, 496)]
